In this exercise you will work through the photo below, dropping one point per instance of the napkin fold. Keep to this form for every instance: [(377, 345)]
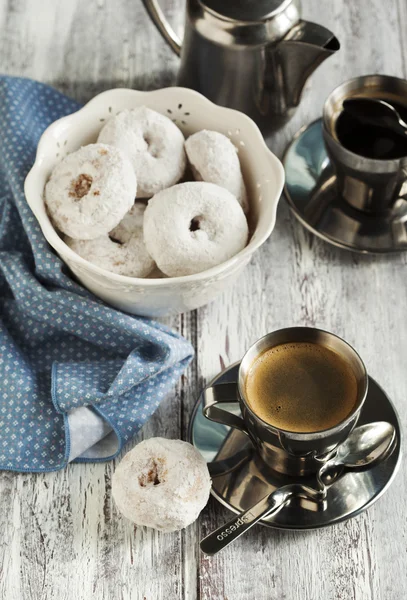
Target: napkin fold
[(77, 378)]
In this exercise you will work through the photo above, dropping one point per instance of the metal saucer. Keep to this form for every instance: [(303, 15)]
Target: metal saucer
[(243, 486), (310, 190)]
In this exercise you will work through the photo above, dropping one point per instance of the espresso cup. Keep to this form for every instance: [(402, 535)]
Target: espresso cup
[(370, 185), (289, 452)]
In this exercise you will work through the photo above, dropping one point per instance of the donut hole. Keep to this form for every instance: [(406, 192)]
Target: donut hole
[(195, 223), (115, 240), (80, 186), (152, 474), (150, 145)]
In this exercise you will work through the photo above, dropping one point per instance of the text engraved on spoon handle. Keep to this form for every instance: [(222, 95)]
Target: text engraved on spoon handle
[(228, 533)]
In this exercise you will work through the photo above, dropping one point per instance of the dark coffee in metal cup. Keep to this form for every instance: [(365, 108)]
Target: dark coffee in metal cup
[(367, 183), (300, 392)]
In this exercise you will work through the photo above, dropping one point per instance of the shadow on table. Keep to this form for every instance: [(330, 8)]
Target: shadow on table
[(83, 91), (288, 232)]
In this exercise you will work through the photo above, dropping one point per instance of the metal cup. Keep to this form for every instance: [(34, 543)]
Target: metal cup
[(287, 452), (368, 184)]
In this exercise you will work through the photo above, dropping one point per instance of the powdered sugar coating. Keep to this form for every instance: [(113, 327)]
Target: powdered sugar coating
[(163, 484), (90, 191), (193, 226), (123, 251), (213, 158), (154, 145), (131, 222)]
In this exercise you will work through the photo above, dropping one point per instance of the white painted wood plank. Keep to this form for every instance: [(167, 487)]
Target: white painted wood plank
[(402, 22)]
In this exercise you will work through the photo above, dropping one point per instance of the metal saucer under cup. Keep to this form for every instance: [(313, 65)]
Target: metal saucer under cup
[(240, 487), (312, 195), (348, 200)]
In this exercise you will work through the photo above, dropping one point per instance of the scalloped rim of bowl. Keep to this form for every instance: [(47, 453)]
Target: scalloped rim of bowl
[(55, 241)]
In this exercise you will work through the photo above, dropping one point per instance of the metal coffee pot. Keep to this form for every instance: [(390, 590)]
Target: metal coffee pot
[(251, 55)]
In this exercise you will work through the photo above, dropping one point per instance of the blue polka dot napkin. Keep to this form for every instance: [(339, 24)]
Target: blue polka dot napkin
[(77, 378)]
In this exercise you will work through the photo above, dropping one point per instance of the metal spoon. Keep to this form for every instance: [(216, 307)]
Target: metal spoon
[(374, 111), (365, 446), (267, 506)]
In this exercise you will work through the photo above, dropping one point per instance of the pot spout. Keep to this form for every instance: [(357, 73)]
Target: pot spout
[(300, 52)]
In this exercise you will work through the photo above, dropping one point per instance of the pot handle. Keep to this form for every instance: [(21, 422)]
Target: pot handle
[(159, 20), (220, 394)]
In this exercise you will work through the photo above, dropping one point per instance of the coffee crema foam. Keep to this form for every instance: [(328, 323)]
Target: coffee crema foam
[(301, 387)]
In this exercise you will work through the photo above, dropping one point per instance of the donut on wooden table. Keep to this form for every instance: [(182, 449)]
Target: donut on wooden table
[(162, 484)]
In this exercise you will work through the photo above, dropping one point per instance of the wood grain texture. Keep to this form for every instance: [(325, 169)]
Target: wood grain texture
[(60, 534)]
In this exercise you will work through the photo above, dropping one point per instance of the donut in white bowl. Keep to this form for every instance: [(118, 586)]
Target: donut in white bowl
[(123, 250), (90, 191), (193, 226), (214, 158), (154, 145)]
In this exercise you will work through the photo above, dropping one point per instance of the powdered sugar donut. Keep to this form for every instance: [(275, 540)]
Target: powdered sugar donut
[(131, 222), (193, 226), (122, 251), (154, 145), (162, 484), (90, 191), (214, 158)]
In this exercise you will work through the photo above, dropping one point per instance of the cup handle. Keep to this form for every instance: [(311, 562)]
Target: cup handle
[(220, 394)]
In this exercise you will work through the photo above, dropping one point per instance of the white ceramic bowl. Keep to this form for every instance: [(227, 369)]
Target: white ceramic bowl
[(263, 173)]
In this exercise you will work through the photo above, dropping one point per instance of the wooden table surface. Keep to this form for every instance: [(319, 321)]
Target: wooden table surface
[(60, 534)]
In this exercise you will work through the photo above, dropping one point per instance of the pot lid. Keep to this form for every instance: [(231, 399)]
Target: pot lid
[(246, 10)]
